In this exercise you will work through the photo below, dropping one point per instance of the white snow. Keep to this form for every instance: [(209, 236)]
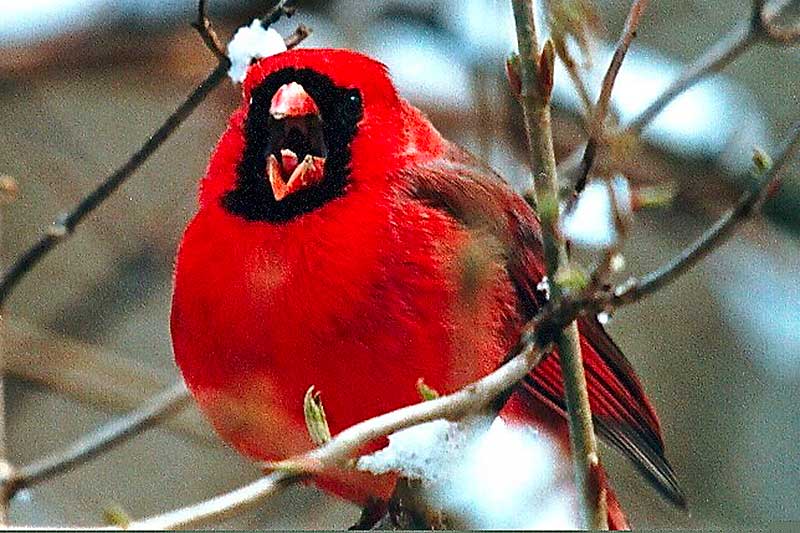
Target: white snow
[(249, 43), (590, 222), (506, 476), (544, 286)]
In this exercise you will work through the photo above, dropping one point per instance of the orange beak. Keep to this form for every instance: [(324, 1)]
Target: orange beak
[(291, 100), (296, 116)]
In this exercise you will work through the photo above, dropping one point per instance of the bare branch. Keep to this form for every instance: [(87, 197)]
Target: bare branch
[(284, 8), (536, 75), (207, 33), (65, 224), (719, 56), (597, 123), (300, 33), (343, 446), (103, 438), (713, 60), (219, 507)]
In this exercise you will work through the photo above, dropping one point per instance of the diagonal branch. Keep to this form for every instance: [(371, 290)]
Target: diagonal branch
[(102, 439), (716, 58), (747, 205), (207, 33), (65, 224), (347, 443)]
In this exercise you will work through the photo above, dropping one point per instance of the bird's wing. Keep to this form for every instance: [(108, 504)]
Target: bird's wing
[(473, 194)]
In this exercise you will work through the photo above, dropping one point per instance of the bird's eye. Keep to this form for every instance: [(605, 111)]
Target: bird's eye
[(353, 105)]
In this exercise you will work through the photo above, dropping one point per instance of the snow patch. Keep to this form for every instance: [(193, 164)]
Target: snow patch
[(249, 43), (590, 222), (490, 476)]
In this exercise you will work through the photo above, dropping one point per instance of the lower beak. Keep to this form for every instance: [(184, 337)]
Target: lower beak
[(306, 173)]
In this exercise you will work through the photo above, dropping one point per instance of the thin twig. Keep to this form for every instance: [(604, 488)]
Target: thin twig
[(219, 507), (300, 33), (284, 8), (103, 438), (597, 122), (716, 58), (537, 82), (207, 33), (65, 225), (577, 80), (748, 204)]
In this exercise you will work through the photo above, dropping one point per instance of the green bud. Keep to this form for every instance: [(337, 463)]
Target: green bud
[(426, 392), (114, 515), (316, 422)]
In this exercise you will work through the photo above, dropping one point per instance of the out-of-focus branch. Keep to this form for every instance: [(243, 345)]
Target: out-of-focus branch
[(747, 205), (8, 192), (65, 224), (759, 27), (577, 79), (102, 379), (764, 15), (598, 118), (103, 438), (536, 74)]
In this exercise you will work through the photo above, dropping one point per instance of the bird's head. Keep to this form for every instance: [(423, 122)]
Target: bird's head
[(313, 124)]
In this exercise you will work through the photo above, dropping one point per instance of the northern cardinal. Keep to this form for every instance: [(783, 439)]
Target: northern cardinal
[(342, 242)]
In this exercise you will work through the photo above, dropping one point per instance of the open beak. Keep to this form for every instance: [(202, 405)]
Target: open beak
[(297, 146)]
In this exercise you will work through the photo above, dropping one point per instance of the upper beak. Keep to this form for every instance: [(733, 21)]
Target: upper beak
[(291, 100)]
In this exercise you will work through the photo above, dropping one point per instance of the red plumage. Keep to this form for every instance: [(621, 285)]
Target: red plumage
[(410, 259)]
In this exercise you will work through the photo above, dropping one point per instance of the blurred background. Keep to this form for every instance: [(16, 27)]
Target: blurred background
[(82, 85)]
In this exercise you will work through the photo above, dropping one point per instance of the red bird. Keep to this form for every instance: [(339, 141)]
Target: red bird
[(342, 242)]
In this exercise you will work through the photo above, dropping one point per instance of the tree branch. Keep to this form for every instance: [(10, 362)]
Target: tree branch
[(748, 204), (103, 438), (343, 446), (209, 36), (536, 72)]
